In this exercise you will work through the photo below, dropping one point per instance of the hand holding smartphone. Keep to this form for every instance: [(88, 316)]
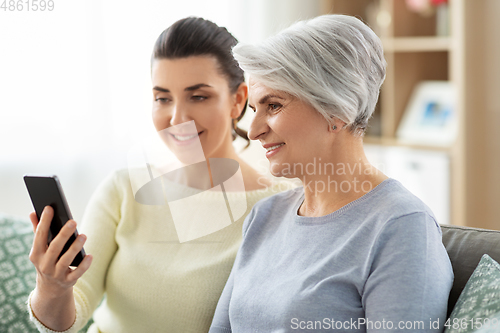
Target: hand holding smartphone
[(47, 191)]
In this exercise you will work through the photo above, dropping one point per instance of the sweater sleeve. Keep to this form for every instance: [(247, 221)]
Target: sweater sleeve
[(99, 224), (410, 277), (220, 322)]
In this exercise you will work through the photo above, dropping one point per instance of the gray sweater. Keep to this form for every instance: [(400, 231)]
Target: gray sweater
[(375, 265)]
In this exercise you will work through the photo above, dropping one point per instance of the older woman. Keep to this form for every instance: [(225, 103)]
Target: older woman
[(352, 249)]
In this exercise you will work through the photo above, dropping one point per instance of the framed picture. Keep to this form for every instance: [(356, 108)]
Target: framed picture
[(431, 116)]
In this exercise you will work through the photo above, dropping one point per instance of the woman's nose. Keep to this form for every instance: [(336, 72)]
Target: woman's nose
[(179, 115), (258, 127)]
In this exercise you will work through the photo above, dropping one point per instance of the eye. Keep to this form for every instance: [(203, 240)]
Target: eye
[(274, 106), (162, 100), (199, 98), (252, 107)]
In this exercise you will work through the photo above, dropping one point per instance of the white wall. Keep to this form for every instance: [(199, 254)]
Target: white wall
[(75, 89)]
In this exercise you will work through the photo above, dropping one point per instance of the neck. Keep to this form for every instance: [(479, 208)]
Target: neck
[(339, 178)]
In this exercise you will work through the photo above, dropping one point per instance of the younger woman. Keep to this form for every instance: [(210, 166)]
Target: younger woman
[(151, 281)]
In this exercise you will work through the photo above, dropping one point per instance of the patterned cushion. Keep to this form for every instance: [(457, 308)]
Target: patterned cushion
[(492, 326), (479, 302), (17, 275)]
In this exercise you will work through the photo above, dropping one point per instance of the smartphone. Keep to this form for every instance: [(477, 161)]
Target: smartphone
[(47, 191)]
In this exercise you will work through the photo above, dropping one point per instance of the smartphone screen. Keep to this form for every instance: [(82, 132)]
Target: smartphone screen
[(47, 191)]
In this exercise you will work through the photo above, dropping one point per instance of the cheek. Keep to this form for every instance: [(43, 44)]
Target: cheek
[(159, 121), (217, 117), (302, 135), (288, 127), (217, 129), (210, 119)]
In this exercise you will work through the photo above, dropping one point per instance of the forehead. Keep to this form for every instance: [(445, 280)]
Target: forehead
[(186, 71), (257, 90)]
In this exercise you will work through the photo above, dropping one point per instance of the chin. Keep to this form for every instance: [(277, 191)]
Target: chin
[(278, 170)]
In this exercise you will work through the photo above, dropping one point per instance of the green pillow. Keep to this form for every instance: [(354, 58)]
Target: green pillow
[(478, 306), (491, 326), (17, 274)]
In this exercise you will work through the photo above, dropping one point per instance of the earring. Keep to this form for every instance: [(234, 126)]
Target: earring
[(334, 127)]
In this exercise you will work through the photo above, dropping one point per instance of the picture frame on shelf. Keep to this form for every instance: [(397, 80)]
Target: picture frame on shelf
[(431, 115)]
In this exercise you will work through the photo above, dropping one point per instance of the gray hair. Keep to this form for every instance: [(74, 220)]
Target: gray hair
[(333, 62)]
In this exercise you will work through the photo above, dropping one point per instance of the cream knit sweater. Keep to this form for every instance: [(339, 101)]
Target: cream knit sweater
[(151, 281)]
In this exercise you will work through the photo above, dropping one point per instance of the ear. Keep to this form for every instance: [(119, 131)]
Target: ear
[(240, 99), (337, 124)]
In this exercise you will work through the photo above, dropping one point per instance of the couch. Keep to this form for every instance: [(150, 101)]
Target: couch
[(465, 247)]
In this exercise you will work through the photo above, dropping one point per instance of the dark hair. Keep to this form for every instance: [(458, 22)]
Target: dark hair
[(194, 36)]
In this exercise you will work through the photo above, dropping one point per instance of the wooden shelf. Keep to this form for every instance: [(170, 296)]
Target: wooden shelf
[(467, 57), (417, 44)]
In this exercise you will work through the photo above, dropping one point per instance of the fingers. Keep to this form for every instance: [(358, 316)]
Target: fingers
[(82, 268), (57, 244), (53, 273), (42, 231), (34, 221), (67, 258)]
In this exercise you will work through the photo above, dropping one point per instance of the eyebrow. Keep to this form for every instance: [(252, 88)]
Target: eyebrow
[(191, 88), (264, 99)]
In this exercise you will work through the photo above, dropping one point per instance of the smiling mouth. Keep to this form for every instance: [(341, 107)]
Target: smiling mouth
[(185, 137), (274, 147)]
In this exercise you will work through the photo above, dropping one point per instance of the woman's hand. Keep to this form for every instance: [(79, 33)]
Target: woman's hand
[(54, 276)]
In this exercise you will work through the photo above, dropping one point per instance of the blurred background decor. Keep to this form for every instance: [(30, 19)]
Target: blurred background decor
[(430, 117), (465, 176), (431, 7)]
